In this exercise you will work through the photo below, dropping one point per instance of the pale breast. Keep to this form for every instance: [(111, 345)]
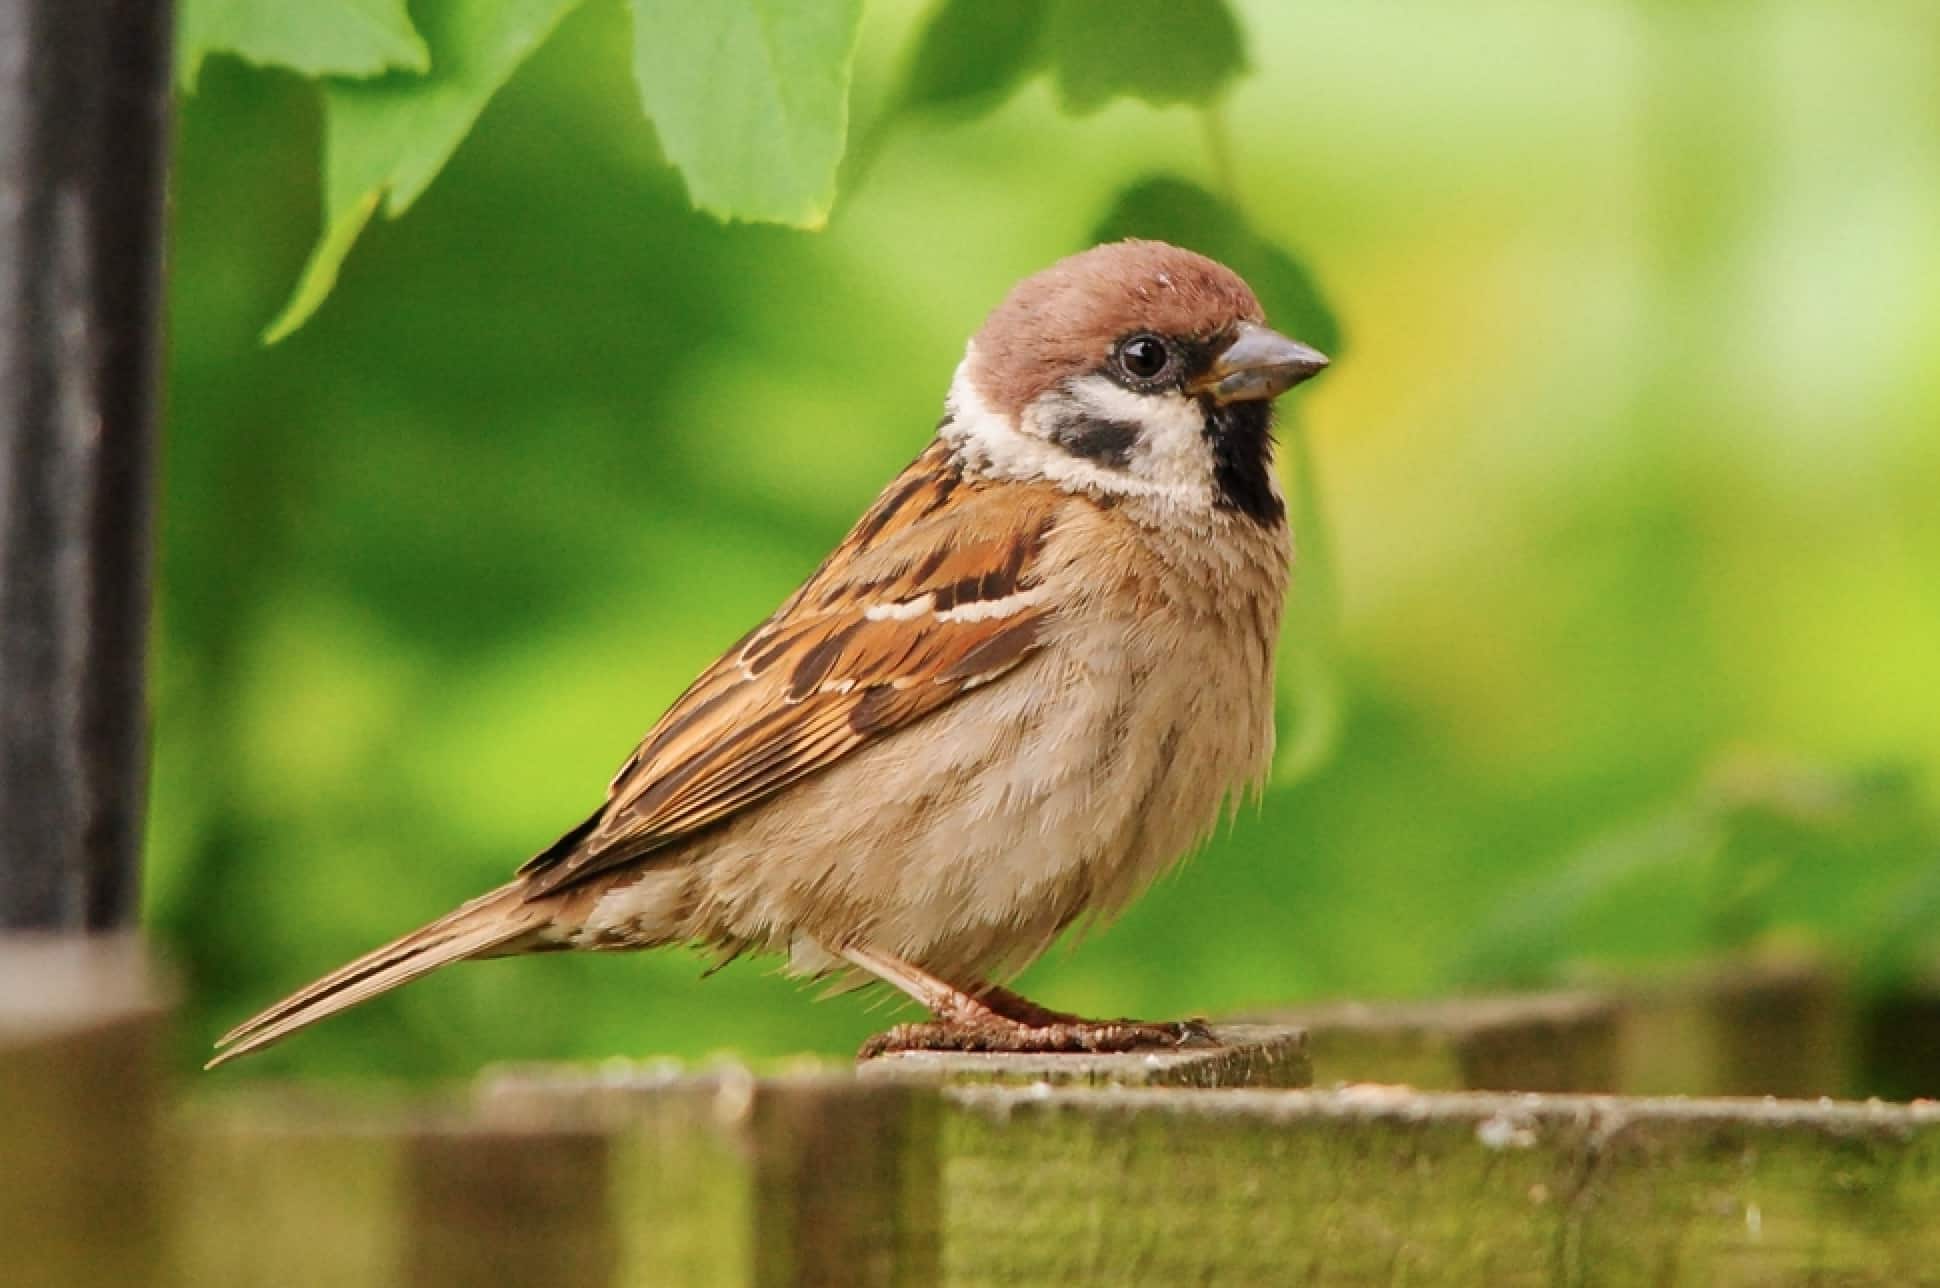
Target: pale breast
[(969, 841)]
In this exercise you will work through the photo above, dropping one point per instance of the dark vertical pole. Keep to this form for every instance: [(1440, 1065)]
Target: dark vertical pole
[(84, 98)]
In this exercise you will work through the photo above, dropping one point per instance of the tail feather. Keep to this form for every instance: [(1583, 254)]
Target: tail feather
[(474, 929)]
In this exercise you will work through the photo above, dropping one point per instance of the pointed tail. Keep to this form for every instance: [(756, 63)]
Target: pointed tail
[(487, 923)]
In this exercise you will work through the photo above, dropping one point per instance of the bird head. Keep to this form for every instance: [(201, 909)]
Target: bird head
[(1134, 369)]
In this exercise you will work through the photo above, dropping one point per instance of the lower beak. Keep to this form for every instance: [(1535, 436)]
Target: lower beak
[(1258, 364)]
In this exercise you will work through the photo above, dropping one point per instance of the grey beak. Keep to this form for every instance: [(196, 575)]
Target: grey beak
[(1260, 363)]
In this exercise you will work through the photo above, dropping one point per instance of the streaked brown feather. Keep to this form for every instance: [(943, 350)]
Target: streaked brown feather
[(821, 677)]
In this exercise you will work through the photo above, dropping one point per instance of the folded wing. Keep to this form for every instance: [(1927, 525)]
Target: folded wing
[(936, 591)]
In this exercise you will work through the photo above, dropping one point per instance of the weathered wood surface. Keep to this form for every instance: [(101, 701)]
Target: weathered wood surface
[(287, 1192), (1243, 1055), (1532, 1042), (80, 1023), (1766, 1027), (300, 1191), (622, 1176), (1189, 1166), (1772, 1027), (1899, 1040), (1126, 1187), (716, 1179), (726, 1179)]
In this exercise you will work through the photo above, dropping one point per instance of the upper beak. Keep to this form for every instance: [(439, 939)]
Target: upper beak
[(1259, 363)]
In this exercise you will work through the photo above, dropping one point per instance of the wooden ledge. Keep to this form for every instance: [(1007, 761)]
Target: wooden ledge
[(81, 1027), (1553, 1042), (1246, 1055), (1391, 1186), (1777, 1024), (641, 1173)]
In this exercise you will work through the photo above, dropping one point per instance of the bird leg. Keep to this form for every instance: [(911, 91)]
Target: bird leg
[(995, 1019), (1015, 1006)]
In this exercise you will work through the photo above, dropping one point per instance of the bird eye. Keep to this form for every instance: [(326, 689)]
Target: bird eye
[(1144, 357)]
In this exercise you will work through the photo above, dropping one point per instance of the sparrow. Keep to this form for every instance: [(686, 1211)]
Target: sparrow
[(1035, 674)]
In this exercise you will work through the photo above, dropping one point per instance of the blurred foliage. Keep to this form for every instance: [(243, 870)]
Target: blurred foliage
[(1756, 851), (749, 98), (1633, 462), (386, 140), (1181, 51), (973, 54), (1007, 37)]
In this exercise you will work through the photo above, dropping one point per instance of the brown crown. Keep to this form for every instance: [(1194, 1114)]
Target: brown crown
[(1063, 321)]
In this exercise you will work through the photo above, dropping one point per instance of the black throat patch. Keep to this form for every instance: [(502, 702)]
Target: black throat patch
[(1241, 435)]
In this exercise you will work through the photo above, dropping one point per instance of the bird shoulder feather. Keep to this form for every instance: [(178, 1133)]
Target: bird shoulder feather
[(935, 591)]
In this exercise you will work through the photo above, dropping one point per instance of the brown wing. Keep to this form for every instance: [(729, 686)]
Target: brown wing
[(934, 592)]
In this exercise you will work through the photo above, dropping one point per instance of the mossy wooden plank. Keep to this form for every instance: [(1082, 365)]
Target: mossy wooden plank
[(1776, 1026), (1131, 1187), (1557, 1042), (685, 1191), (291, 1191), (1900, 1041), (313, 1193), (723, 1179), (1153, 1187), (1782, 1029), (1242, 1055), (508, 1205), (80, 1090), (1755, 1194)]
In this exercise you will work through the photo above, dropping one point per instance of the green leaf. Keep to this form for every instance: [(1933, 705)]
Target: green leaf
[(1161, 51), (386, 140), (973, 54), (750, 99), (340, 233), (314, 37), (1311, 688)]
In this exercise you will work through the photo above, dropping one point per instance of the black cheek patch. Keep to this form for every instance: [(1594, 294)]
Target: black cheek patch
[(1108, 442)]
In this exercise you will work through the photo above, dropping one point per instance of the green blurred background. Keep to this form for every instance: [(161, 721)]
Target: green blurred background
[(1632, 468)]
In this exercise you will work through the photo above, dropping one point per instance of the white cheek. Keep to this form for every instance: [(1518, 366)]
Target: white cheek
[(1171, 465), (1172, 451), (1003, 449)]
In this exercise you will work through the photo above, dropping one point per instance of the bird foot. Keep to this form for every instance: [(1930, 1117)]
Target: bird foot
[(996, 1035)]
